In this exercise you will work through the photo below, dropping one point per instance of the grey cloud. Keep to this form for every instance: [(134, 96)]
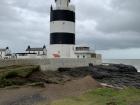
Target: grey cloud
[(105, 24), (7, 12), (124, 16), (104, 41), (128, 5), (41, 6), (117, 24), (20, 27)]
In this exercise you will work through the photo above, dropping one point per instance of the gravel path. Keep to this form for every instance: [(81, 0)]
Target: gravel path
[(51, 92), (21, 96)]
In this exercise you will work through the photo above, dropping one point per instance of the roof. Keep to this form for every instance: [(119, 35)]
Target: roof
[(25, 53), (34, 49), (8, 54), (2, 49), (84, 52), (82, 45)]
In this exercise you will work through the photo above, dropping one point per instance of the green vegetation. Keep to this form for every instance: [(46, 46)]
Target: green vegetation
[(104, 96), (16, 75)]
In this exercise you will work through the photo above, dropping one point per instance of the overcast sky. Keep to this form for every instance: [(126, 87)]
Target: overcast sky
[(112, 27)]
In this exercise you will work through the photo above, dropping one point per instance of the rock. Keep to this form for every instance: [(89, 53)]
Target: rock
[(117, 68), (97, 74), (75, 72), (113, 74), (118, 74), (125, 68)]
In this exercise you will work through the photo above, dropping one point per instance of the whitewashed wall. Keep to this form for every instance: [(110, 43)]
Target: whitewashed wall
[(51, 64)]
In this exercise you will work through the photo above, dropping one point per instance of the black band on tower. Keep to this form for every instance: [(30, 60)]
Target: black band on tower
[(65, 15), (62, 38)]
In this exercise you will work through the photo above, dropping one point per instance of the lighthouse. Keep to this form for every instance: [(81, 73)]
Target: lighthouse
[(62, 29), (62, 34)]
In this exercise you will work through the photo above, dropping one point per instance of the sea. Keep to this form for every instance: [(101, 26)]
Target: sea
[(133, 62)]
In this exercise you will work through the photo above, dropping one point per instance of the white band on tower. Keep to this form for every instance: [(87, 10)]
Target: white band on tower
[(62, 26)]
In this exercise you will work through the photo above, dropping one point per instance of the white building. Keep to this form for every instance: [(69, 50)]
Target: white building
[(33, 53), (82, 51), (5, 53), (39, 51)]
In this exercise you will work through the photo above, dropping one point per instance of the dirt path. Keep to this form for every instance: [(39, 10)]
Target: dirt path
[(21, 96), (32, 95)]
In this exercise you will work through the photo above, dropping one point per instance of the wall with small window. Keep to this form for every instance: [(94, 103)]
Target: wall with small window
[(82, 48), (2, 54), (83, 56), (44, 52)]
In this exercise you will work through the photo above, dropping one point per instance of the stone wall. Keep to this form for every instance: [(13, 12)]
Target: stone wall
[(51, 64)]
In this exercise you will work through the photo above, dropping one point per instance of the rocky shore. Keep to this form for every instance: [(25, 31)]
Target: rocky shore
[(36, 86), (119, 75)]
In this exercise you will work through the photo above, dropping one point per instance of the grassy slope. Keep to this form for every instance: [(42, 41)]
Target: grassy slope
[(104, 96), (7, 74)]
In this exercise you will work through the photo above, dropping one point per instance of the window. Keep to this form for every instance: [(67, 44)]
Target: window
[(83, 56), (93, 55), (22, 54), (82, 48), (38, 52), (77, 56), (43, 52)]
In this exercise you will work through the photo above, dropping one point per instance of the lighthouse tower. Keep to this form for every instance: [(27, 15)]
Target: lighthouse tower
[(62, 34), (62, 30)]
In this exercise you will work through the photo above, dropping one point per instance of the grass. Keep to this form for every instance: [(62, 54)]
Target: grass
[(104, 96), (9, 74)]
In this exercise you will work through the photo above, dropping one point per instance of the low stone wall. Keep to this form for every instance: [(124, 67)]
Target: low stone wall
[(51, 64)]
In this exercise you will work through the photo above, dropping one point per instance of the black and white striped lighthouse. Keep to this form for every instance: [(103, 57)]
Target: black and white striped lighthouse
[(62, 30), (62, 35), (62, 23)]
